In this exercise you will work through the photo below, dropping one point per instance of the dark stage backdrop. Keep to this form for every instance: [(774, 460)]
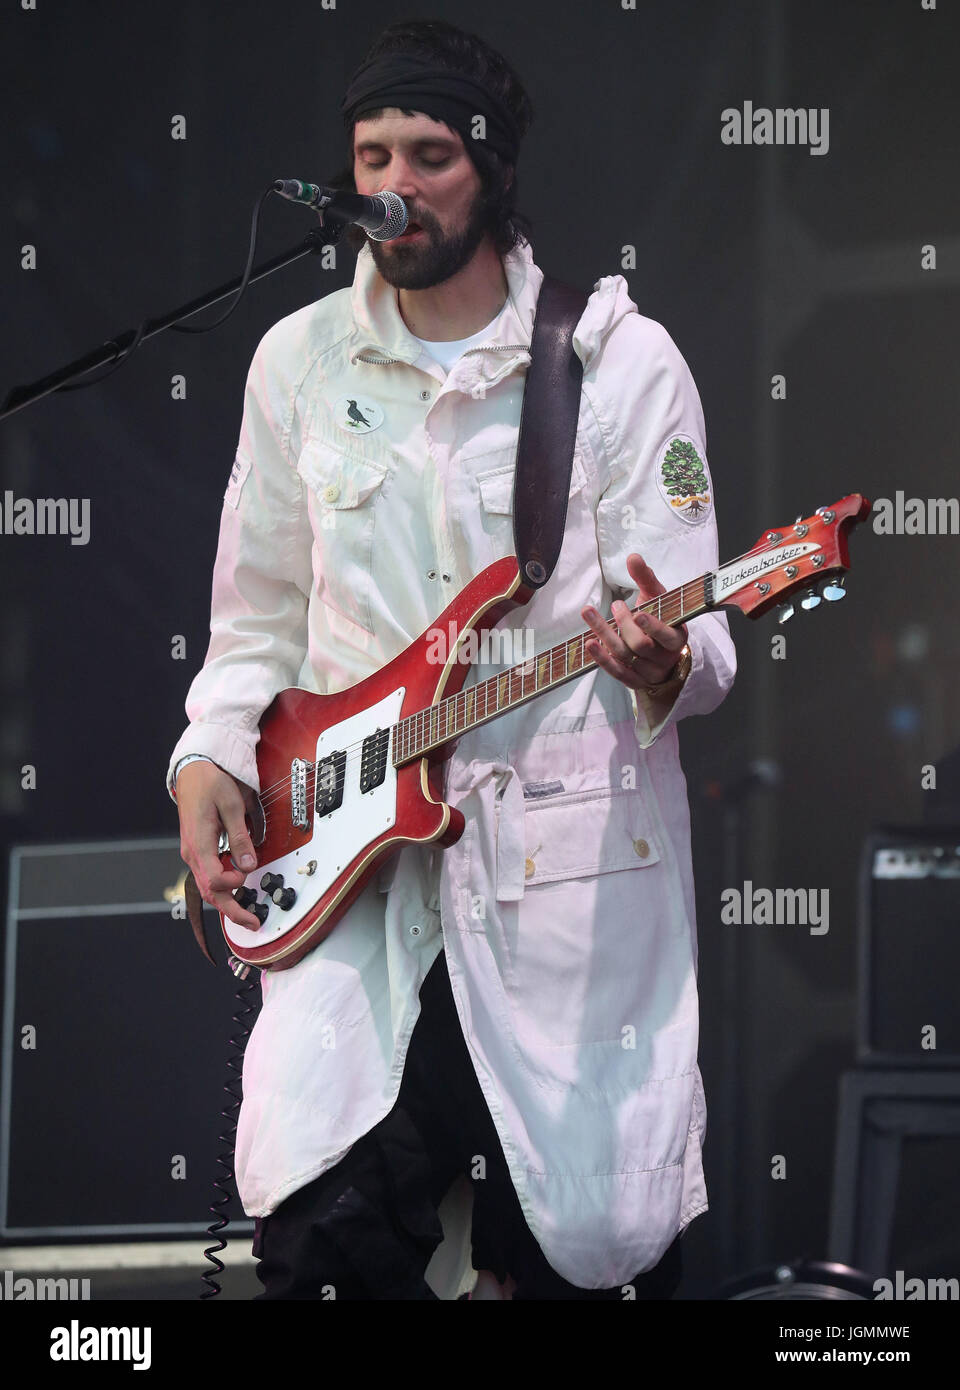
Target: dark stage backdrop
[(834, 268)]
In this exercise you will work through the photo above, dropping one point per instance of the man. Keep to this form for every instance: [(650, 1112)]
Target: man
[(509, 1024)]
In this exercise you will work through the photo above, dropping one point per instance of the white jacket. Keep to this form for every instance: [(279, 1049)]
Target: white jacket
[(567, 907)]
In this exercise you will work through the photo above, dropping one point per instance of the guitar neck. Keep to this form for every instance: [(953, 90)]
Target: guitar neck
[(428, 729)]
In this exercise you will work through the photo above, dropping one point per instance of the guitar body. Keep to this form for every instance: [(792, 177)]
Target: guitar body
[(347, 780), (314, 750)]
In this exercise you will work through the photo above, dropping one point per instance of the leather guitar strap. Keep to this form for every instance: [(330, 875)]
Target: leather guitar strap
[(548, 432)]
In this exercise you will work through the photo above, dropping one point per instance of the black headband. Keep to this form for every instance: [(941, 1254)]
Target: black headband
[(414, 84)]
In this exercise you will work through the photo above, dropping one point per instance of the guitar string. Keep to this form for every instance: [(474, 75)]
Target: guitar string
[(278, 790)]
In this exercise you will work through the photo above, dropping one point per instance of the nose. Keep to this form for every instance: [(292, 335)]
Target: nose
[(398, 177)]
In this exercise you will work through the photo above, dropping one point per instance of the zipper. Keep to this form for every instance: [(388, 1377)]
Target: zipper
[(492, 347)]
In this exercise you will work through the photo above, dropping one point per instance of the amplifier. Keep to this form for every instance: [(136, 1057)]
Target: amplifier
[(116, 1041), (909, 947)]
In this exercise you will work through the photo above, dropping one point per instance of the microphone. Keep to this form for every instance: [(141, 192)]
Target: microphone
[(383, 216)]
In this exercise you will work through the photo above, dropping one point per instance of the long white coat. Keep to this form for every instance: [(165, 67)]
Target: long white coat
[(567, 908)]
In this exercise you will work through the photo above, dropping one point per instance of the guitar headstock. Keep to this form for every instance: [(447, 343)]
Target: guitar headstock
[(808, 557)]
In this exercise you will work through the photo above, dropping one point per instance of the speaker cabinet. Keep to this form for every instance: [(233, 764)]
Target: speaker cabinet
[(116, 1043)]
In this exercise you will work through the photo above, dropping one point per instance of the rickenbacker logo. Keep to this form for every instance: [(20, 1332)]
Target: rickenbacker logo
[(735, 576)]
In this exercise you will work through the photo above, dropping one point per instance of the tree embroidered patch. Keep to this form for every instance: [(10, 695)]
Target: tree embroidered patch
[(684, 480)]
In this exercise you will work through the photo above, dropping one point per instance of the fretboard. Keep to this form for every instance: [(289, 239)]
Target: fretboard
[(428, 729)]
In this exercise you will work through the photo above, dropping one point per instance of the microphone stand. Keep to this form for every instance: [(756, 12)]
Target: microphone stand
[(20, 396)]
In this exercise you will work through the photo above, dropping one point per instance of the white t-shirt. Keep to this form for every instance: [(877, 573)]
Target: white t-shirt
[(447, 353)]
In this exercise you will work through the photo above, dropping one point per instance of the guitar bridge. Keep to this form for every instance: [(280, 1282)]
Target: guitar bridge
[(299, 815)]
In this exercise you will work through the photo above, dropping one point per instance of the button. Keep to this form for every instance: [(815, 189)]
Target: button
[(416, 929), (642, 848), (445, 578), (424, 395), (331, 493), (529, 868), (431, 574)]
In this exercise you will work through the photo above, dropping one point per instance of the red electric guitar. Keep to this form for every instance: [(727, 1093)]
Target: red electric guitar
[(349, 779)]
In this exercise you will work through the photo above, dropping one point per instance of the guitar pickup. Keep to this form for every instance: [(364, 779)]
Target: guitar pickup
[(299, 816), (373, 760), (330, 782)]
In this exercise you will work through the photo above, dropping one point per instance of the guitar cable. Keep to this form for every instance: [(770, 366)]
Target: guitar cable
[(225, 1183)]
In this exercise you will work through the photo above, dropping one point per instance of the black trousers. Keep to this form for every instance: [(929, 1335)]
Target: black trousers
[(367, 1227)]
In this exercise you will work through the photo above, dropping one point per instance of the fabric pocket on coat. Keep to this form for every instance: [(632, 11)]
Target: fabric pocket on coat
[(595, 950), (579, 834), (495, 484), (344, 493), (493, 501)]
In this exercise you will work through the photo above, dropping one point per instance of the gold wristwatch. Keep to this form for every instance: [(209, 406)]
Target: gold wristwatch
[(675, 680)]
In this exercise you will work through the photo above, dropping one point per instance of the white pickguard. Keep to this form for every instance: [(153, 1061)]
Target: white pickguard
[(339, 836)]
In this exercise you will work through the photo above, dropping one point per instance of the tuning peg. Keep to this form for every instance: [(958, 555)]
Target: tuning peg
[(785, 612), (833, 589), (810, 599)]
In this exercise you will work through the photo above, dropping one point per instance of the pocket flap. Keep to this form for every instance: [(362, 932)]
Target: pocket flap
[(496, 485), (338, 479), (496, 490), (577, 835)]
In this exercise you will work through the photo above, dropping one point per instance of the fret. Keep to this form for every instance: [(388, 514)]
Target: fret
[(453, 715)]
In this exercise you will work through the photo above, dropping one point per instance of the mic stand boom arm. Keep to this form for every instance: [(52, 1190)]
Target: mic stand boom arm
[(20, 396)]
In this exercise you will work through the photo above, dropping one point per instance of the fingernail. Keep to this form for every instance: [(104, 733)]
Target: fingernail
[(247, 861)]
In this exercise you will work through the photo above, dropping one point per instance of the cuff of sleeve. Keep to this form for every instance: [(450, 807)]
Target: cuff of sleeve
[(229, 748), (653, 714)]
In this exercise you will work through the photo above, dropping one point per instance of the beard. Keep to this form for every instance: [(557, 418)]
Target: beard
[(434, 257)]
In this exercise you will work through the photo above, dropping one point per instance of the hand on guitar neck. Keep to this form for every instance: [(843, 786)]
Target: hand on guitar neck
[(211, 802), (640, 651)]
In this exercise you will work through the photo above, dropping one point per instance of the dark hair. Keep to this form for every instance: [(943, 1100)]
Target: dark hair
[(460, 51)]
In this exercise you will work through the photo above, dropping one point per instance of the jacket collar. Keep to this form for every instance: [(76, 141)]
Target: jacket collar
[(380, 329)]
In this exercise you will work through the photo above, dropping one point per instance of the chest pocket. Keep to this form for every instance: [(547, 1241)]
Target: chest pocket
[(345, 496), (495, 486), (495, 492)]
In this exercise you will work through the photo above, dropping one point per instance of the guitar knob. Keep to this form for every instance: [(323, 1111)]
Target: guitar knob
[(284, 898), (833, 589), (271, 882), (784, 612), (261, 911), (245, 896), (810, 599)]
